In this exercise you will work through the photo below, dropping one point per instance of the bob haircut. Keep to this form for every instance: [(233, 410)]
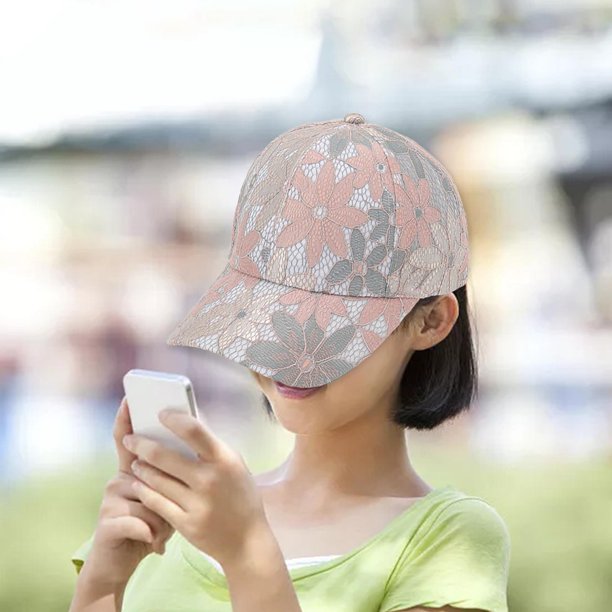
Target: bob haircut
[(439, 382)]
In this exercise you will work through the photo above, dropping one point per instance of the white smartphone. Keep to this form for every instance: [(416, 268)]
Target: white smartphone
[(148, 392)]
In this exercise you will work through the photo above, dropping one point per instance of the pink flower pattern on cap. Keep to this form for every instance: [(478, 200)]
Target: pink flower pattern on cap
[(341, 227)]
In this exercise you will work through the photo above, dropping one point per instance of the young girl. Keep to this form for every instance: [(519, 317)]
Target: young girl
[(345, 296)]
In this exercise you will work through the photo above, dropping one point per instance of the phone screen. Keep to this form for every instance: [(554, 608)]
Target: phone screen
[(148, 392)]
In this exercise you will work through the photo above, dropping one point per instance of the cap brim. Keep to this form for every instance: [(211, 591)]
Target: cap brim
[(296, 337)]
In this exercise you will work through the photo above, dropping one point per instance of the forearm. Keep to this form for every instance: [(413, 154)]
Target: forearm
[(258, 579), (92, 595)]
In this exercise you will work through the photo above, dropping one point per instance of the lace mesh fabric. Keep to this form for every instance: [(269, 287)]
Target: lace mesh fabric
[(339, 230)]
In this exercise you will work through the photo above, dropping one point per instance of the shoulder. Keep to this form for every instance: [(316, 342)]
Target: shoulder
[(473, 517), (462, 531), (459, 557), (463, 506), (467, 533)]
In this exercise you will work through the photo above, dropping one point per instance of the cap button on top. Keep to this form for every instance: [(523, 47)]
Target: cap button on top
[(354, 118)]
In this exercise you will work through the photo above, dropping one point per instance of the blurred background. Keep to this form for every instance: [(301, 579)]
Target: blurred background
[(126, 129)]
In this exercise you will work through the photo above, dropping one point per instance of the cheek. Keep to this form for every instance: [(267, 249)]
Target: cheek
[(371, 379), (354, 392), (352, 388)]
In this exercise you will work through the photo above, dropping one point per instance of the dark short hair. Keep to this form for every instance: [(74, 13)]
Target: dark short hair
[(439, 382)]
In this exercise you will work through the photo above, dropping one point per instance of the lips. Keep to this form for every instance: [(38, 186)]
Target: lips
[(296, 392)]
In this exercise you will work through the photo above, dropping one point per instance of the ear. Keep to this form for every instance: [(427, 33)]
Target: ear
[(434, 322)]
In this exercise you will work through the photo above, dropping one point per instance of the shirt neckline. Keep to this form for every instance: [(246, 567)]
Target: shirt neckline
[(292, 559), (203, 566)]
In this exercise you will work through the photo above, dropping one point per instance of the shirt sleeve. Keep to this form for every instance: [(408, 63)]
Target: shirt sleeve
[(461, 561), (80, 554)]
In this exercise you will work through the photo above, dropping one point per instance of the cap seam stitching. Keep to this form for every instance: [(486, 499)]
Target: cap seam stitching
[(400, 270), (353, 297)]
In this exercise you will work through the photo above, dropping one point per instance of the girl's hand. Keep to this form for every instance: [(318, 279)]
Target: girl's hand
[(127, 531), (212, 500)]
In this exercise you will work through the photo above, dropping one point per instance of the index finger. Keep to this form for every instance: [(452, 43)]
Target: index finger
[(195, 433), (123, 426)]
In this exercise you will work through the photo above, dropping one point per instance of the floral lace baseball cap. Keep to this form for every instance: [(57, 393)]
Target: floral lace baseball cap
[(341, 227)]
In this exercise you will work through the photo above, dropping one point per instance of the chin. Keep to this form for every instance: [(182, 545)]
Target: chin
[(302, 416), (299, 424)]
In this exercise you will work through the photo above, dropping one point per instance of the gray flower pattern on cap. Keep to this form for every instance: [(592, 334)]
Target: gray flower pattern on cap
[(303, 355), (383, 217), (361, 270)]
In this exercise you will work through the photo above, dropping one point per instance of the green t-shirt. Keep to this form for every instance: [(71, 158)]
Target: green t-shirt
[(447, 548)]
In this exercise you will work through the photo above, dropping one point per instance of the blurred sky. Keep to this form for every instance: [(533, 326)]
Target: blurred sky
[(72, 64), (69, 64)]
